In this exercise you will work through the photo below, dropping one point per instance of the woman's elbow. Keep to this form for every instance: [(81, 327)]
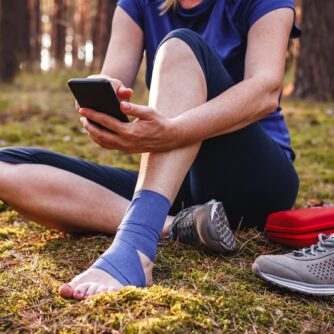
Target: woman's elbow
[(272, 104), (272, 91)]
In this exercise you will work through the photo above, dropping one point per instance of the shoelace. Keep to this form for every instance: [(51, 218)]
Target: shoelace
[(183, 228), (324, 241)]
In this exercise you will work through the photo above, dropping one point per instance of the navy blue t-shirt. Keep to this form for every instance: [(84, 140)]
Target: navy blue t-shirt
[(224, 25)]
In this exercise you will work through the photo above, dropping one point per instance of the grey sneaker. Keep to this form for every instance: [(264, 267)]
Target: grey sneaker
[(309, 270), (204, 225)]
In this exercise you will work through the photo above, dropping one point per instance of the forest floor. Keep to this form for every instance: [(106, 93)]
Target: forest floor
[(194, 292)]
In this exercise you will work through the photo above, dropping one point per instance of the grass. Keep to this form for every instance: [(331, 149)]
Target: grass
[(195, 292)]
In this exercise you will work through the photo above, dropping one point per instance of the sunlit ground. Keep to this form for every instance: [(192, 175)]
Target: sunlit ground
[(195, 292)]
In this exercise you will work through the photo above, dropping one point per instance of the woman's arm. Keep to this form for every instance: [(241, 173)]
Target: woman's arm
[(253, 98), (125, 50), (124, 55), (244, 103)]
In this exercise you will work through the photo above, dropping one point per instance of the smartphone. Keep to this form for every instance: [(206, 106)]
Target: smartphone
[(97, 94)]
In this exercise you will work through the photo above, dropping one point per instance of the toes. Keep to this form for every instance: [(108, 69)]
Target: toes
[(101, 289), (80, 291), (89, 283), (114, 289), (66, 291), (91, 291)]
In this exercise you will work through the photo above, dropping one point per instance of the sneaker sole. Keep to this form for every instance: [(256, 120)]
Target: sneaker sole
[(309, 289), (225, 236)]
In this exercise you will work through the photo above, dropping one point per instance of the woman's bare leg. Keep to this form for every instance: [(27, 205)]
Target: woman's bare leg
[(59, 199), (62, 200), (178, 84)]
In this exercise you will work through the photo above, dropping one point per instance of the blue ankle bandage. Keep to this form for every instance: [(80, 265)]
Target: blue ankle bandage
[(139, 231)]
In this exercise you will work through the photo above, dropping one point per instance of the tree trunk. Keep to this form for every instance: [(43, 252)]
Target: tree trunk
[(12, 37), (34, 55), (81, 31), (23, 19), (315, 66), (58, 32), (102, 30)]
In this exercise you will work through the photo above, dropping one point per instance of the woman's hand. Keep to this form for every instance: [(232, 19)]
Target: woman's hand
[(150, 131)]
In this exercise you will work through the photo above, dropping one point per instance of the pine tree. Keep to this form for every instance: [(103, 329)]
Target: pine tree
[(58, 31), (14, 37), (315, 66), (102, 30)]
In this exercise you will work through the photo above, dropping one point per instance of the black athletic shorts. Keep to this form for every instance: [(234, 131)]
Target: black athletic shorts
[(246, 169)]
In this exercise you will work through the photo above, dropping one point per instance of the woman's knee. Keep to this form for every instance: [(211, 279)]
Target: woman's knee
[(176, 58), (172, 54), (177, 47)]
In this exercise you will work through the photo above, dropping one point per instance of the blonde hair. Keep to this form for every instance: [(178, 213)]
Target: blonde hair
[(168, 4)]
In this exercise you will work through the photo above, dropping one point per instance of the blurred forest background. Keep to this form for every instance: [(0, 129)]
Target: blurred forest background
[(43, 43), (53, 34), (74, 34)]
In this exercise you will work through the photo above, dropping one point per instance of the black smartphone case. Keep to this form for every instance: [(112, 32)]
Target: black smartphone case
[(97, 94)]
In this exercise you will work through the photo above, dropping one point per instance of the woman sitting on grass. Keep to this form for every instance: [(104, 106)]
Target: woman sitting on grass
[(213, 129)]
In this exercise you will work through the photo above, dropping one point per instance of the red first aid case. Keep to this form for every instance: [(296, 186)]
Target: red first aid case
[(300, 227)]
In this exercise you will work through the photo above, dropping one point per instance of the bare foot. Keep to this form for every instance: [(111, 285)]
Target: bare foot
[(94, 281)]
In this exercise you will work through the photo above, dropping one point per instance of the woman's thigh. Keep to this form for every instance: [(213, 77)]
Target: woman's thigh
[(118, 180), (248, 172)]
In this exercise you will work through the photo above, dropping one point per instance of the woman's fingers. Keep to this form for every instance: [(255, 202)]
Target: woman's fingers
[(104, 138), (149, 132), (138, 111), (111, 123), (124, 93), (97, 133), (145, 134), (77, 107)]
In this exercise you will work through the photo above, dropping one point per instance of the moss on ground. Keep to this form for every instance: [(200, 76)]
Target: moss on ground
[(195, 292)]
